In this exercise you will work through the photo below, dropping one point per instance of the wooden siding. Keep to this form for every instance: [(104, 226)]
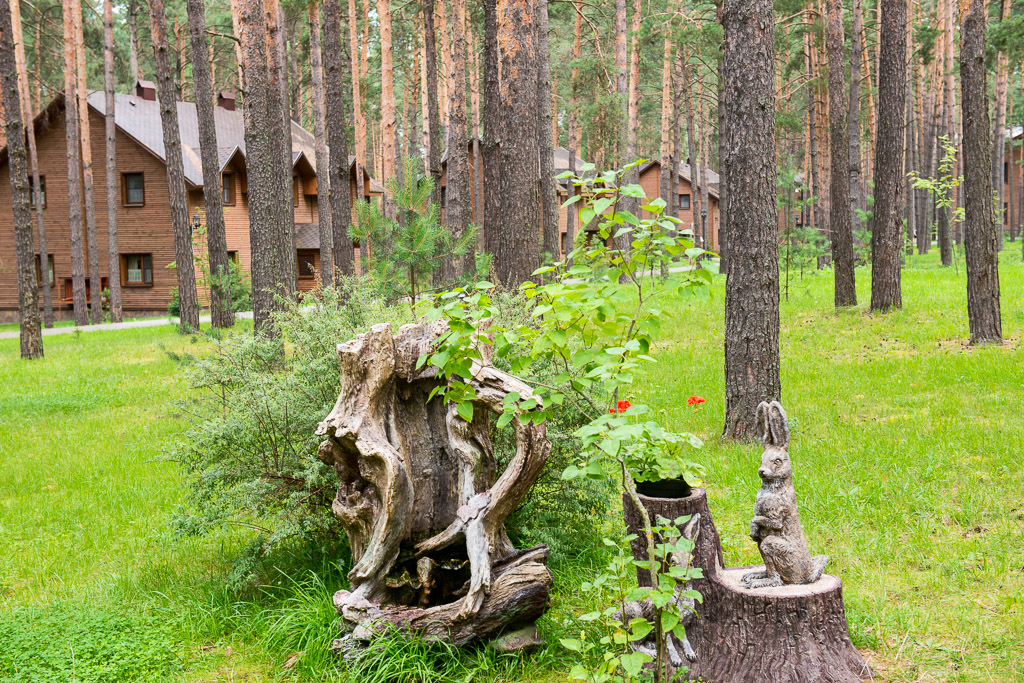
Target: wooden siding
[(141, 230)]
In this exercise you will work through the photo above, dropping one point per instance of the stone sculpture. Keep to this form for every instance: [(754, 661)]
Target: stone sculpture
[(776, 524), (420, 499)]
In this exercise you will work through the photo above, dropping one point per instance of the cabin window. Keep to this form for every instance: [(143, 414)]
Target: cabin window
[(227, 189), (233, 256), (37, 196), (684, 201), (49, 268), (307, 264), (67, 291), (134, 189), (136, 270)]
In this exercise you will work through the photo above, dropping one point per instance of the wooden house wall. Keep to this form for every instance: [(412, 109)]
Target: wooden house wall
[(650, 181)]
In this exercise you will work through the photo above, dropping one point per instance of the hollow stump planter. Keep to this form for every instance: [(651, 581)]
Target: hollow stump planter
[(789, 634)]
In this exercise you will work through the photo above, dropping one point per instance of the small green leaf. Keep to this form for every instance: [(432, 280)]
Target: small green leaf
[(465, 411)]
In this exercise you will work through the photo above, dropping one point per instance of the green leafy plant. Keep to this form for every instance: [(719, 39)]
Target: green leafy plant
[(593, 320), (607, 637), (943, 186), (407, 250)]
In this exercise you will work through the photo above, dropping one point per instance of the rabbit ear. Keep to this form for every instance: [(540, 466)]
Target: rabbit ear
[(763, 427), (778, 424)]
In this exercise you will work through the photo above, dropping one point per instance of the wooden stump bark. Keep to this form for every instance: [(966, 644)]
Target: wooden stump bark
[(420, 497), (788, 634)]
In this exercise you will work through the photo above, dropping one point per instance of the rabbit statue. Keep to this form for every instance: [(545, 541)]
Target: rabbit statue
[(776, 523)]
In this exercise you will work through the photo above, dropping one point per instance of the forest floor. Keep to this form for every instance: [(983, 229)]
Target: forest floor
[(906, 450)]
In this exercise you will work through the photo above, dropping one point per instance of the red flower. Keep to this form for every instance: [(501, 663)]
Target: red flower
[(620, 407), (694, 401)]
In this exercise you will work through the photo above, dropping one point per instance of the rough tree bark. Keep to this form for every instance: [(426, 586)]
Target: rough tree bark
[(667, 117), (626, 203), (184, 264), (841, 219), (387, 103), (341, 203), (133, 41), (817, 207), (545, 145), (433, 111), (909, 205), (999, 126), (981, 234), (259, 165), (574, 127), (458, 194), (419, 495), (887, 234), (74, 167), (281, 140), (91, 241), (699, 238), (221, 313), (747, 148), (854, 114), (359, 117), (29, 321), (323, 180), (516, 243), (490, 152), (113, 252), (33, 158), (945, 231)]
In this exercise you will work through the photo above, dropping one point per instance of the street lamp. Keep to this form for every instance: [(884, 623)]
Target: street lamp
[(196, 221)]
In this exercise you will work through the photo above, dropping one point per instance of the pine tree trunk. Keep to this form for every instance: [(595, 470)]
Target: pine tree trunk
[(548, 184), (840, 217), (444, 46), (433, 113), (751, 222), (281, 140), (458, 193), (621, 80), (113, 252), (817, 212), (999, 129), (665, 179), (133, 42), (260, 163), (387, 102), (323, 180), (30, 326), (980, 231), (91, 241), (574, 127), (74, 166), (887, 234), (490, 152), (695, 162), (517, 248), (475, 133), (632, 176), (33, 158), (183, 259), (909, 206), (357, 102), (341, 202), (948, 127), (221, 312)]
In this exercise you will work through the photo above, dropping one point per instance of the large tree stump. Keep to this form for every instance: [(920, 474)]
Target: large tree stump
[(788, 634), (419, 498)]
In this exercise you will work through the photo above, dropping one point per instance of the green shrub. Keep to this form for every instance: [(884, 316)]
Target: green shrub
[(241, 293), (69, 642)]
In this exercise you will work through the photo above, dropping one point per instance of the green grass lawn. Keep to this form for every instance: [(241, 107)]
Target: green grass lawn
[(906, 449)]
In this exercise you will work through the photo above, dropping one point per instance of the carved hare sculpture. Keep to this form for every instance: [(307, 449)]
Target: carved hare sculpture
[(776, 523), (645, 608)]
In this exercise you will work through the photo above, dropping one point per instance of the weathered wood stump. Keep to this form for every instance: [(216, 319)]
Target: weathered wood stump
[(787, 634), (420, 499)]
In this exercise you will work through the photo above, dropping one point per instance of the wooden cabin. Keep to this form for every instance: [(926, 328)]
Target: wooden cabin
[(1013, 177), (650, 181), (145, 236)]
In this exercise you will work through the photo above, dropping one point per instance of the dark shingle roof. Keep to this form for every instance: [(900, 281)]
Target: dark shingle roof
[(140, 120)]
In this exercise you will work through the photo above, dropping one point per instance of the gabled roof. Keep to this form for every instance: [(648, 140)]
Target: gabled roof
[(707, 175), (139, 119)]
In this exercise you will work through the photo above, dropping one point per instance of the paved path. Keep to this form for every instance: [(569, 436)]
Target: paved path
[(155, 322)]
